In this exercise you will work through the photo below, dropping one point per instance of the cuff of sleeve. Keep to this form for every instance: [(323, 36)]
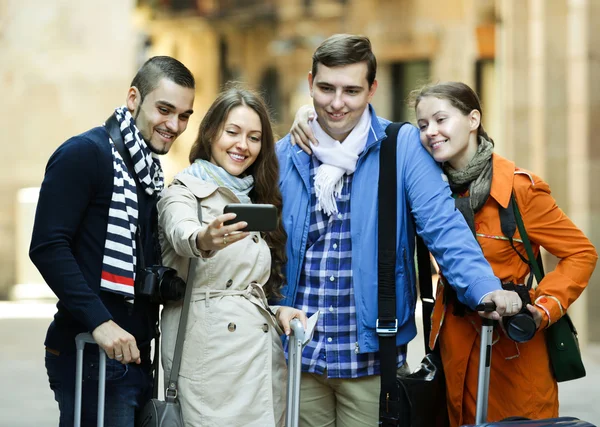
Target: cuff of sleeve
[(481, 299), (273, 309), (478, 290), (196, 250), (97, 317), (550, 306)]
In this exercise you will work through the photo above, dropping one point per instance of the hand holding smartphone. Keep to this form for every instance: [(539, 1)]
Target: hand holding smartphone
[(260, 217)]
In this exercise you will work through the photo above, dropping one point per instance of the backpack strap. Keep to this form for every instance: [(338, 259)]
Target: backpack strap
[(508, 224), (535, 264), (510, 219)]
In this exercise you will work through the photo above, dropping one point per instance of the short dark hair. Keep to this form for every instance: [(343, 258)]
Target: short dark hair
[(158, 67), (346, 49)]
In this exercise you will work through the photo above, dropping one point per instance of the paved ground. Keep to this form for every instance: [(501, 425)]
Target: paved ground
[(26, 400)]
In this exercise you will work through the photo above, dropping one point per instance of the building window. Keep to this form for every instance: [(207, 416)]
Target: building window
[(181, 5), (269, 85), (407, 76), (226, 73), (484, 78), (485, 86)]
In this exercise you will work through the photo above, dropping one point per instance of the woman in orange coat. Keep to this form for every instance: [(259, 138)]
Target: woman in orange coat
[(522, 383)]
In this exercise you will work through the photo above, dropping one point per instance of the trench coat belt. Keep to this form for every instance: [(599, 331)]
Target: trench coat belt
[(252, 291)]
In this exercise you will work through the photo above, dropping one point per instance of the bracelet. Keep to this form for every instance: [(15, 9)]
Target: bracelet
[(546, 311)]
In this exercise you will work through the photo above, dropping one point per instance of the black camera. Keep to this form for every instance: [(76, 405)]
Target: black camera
[(159, 284), (521, 327)]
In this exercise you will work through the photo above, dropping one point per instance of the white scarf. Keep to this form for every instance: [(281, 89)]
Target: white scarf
[(209, 172), (337, 159)]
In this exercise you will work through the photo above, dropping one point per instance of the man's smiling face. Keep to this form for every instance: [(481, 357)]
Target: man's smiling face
[(163, 114), (340, 95)]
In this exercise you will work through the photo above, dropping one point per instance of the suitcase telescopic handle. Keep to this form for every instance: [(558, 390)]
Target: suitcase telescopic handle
[(295, 345), (485, 361), (80, 341)]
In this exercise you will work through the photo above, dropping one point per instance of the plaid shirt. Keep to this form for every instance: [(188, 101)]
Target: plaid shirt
[(326, 285)]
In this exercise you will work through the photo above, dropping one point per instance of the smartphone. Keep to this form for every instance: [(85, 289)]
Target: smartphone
[(259, 217)]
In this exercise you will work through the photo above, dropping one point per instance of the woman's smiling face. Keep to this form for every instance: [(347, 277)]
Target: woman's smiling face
[(239, 142), (446, 133)]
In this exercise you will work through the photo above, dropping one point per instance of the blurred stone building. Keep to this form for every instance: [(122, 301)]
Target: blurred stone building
[(535, 64), (64, 65), (269, 44)]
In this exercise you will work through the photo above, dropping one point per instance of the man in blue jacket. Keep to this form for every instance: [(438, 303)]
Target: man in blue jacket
[(330, 216), (99, 191)]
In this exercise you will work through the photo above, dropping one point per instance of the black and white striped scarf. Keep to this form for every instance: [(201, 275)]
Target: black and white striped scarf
[(119, 261)]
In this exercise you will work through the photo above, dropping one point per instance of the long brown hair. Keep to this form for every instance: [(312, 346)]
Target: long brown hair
[(458, 94), (265, 169)]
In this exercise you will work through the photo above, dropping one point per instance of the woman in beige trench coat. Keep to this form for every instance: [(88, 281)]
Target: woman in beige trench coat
[(233, 370)]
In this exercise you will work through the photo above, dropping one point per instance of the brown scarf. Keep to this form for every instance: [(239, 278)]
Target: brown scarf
[(476, 176)]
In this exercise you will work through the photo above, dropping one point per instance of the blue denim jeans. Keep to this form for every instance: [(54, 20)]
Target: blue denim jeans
[(128, 388)]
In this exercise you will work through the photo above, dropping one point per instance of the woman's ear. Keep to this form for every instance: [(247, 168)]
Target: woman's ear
[(474, 119)]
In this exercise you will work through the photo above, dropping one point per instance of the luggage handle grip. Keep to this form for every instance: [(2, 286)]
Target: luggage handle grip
[(297, 329), (486, 307), (80, 341)]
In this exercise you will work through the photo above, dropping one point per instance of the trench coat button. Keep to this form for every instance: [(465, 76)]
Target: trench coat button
[(265, 328), (231, 327), (255, 238), (229, 283)]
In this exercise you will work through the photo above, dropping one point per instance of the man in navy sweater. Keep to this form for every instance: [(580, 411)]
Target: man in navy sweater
[(95, 219)]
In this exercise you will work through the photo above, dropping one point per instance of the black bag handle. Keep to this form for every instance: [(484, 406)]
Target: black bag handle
[(425, 289), (387, 323)]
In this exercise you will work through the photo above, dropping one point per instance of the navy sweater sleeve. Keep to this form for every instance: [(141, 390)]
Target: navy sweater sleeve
[(73, 176)]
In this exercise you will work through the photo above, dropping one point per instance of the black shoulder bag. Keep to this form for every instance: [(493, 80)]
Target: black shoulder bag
[(417, 399)]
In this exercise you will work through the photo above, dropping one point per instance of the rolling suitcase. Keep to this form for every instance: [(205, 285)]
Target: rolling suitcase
[(483, 386), (80, 341)]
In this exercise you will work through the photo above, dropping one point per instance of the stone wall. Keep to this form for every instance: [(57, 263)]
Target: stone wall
[(65, 65), (549, 98)]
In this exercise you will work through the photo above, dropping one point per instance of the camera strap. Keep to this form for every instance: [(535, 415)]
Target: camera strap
[(112, 127)]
